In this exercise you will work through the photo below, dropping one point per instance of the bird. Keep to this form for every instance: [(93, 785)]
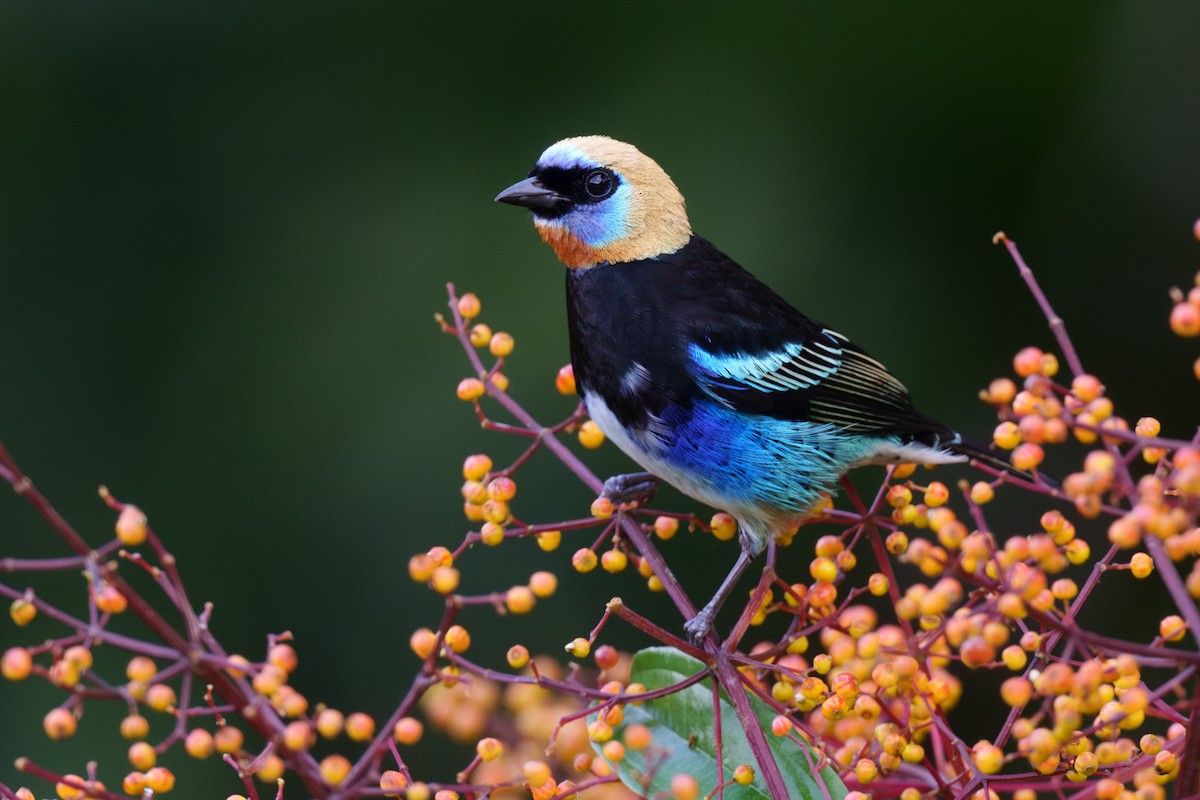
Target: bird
[(700, 372)]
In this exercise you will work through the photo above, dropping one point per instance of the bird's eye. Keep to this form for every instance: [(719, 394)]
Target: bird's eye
[(599, 184)]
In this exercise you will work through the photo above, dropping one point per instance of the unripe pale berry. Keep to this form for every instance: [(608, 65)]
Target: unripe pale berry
[(131, 526), (469, 305), (489, 749), (579, 647)]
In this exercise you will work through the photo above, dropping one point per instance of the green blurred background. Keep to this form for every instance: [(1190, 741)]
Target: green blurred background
[(224, 231)]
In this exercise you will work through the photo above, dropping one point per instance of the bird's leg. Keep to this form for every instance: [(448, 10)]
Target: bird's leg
[(698, 626), (636, 487)]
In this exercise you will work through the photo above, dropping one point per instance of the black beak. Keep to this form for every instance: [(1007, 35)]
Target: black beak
[(531, 194)]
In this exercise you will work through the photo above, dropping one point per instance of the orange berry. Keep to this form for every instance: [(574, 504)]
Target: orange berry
[(564, 381), (500, 381), (135, 726), (1185, 320), (1027, 456), (590, 435), (469, 305), (131, 526), (1087, 387), (1028, 362), (161, 697), (470, 389), (685, 787), (22, 611), (16, 664), (134, 784), (519, 600), (602, 508), (476, 467), (298, 736), (982, 492), (422, 642), (60, 724), (584, 560), (544, 584), (899, 496), (637, 737), (228, 739), (1001, 391), (109, 600), (283, 656), (408, 730), (335, 769), (329, 722), (390, 781), (360, 727), (457, 639), (142, 756), (936, 494)]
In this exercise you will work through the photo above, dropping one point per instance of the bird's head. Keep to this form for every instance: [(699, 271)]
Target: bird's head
[(597, 200)]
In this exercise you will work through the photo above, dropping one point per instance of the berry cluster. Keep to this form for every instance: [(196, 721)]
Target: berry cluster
[(846, 678)]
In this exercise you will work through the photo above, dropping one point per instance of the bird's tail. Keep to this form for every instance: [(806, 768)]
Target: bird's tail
[(978, 451)]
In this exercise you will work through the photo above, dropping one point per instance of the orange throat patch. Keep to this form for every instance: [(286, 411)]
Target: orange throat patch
[(572, 252)]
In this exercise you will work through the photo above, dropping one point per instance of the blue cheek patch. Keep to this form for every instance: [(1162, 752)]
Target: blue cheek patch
[(601, 224)]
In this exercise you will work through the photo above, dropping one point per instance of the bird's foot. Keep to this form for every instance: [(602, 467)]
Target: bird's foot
[(698, 627), (636, 488)]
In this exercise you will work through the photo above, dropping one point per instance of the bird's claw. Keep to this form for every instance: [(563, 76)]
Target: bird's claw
[(698, 627), (634, 488)]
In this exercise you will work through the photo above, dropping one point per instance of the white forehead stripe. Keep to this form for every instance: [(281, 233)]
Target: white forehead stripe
[(564, 155)]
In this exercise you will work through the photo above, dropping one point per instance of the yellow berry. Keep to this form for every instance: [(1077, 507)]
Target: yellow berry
[(16, 664), (330, 722), (135, 726), (743, 774), (22, 611), (334, 769), (489, 749), (579, 647), (360, 727), (457, 639), (823, 569), (1007, 435), (982, 492), (445, 580), (878, 584), (724, 526), (684, 787), (408, 730), (1172, 628), (1141, 565), (501, 344), (476, 467), (392, 780), (936, 494), (549, 540), (665, 527), (518, 656), (491, 534), (614, 561), (1027, 456), (590, 435), (422, 642), (602, 508), (480, 335)]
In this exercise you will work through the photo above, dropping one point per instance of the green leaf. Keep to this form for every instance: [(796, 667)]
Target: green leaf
[(683, 738)]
